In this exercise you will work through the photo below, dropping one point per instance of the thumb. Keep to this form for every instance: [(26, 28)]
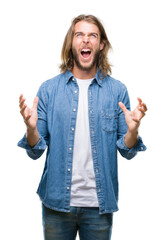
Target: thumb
[(35, 102), (122, 106)]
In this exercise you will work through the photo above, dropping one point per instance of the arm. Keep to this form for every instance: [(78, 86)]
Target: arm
[(30, 117), (133, 119), (36, 138), (128, 141)]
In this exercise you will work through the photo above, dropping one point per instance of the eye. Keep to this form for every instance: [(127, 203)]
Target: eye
[(78, 34), (93, 35)]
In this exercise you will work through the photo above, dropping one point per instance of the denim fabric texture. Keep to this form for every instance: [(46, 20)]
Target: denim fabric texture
[(57, 113), (87, 221)]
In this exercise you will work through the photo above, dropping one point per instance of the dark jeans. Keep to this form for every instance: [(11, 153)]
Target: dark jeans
[(64, 226)]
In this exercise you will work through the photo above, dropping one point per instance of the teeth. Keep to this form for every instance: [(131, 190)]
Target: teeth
[(86, 50)]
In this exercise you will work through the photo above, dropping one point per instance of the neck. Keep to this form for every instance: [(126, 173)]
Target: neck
[(81, 74)]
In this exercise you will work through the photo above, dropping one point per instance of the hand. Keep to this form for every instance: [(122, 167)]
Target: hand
[(30, 115), (134, 117)]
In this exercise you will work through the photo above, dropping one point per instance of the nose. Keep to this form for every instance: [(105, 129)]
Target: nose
[(85, 39)]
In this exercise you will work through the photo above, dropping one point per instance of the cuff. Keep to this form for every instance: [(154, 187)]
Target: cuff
[(130, 152), (41, 145), (33, 152)]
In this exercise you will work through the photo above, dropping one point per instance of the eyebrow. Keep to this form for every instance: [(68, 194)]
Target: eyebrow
[(89, 33)]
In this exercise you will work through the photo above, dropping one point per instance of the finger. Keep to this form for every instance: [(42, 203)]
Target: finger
[(27, 117), (122, 106), (35, 102), (22, 109), (26, 114), (139, 103), (142, 111), (144, 107), (141, 106), (136, 120), (139, 100), (20, 97), (21, 102)]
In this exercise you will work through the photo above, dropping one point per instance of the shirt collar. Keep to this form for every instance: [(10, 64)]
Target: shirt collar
[(69, 76)]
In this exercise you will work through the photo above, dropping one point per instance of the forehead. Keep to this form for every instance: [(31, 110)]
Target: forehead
[(86, 27)]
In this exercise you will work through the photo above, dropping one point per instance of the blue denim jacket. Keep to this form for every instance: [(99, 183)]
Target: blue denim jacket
[(57, 113)]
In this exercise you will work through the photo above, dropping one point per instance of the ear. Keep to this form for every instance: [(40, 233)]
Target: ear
[(102, 45)]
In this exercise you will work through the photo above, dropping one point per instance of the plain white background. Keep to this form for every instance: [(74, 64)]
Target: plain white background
[(32, 34)]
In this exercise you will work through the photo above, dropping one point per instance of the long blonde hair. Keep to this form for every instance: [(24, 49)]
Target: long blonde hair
[(66, 53)]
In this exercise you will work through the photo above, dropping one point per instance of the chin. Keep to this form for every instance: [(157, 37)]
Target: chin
[(86, 66)]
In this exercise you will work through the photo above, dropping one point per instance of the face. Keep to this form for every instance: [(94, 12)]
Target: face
[(86, 45)]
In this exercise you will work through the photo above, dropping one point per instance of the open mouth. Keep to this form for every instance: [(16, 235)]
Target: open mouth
[(85, 53)]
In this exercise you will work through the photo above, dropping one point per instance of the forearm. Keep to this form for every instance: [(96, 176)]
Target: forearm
[(32, 136), (131, 138)]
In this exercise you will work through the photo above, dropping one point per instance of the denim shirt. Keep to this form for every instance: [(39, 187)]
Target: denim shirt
[(57, 113)]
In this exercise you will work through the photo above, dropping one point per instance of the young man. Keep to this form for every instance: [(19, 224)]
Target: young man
[(83, 116)]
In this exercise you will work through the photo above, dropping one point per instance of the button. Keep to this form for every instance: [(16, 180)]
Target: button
[(67, 188), (73, 79), (97, 170), (141, 148), (69, 169), (75, 91), (94, 150), (70, 148), (74, 109), (73, 129), (91, 111)]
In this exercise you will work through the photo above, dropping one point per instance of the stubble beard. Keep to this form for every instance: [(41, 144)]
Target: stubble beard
[(86, 68)]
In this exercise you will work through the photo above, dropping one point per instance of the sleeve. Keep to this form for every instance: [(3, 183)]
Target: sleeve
[(122, 129), (36, 151)]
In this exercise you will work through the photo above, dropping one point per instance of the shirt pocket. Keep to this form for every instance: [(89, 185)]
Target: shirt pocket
[(109, 120)]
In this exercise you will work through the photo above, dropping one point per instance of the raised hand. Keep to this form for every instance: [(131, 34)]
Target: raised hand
[(134, 117), (30, 115)]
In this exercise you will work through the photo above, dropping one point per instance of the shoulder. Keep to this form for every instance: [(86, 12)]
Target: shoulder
[(115, 82), (50, 83), (48, 87), (116, 85), (60, 79)]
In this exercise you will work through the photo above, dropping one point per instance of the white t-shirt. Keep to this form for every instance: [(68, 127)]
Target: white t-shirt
[(83, 188)]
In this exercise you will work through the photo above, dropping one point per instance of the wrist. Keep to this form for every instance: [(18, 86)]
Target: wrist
[(32, 136), (133, 132), (31, 130), (131, 138)]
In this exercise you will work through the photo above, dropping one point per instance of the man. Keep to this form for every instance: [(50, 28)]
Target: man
[(83, 116)]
